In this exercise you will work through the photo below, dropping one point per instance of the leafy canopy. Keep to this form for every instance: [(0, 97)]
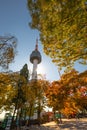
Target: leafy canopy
[(7, 50), (69, 94), (63, 29)]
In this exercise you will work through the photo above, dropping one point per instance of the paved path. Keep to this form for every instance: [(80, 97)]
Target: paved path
[(73, 124), (67, 124)]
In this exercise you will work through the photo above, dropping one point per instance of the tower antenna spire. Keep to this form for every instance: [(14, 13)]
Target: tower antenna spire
[(36, 47)]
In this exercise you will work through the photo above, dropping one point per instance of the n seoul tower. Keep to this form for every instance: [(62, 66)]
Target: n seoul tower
[(35, 59)]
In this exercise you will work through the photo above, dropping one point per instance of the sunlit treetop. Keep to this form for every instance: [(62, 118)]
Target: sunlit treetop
[(63, 29)]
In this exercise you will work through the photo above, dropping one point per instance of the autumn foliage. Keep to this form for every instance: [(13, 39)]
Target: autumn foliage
[(69, 94), (62, 25)]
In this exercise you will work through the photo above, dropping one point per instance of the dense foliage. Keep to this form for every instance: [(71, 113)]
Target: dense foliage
[(7, 50), (63, 29), (69, 94), (8, 89)]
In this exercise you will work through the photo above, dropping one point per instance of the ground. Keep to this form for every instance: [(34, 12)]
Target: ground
[(67, 124)]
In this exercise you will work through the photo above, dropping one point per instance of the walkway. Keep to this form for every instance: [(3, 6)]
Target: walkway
[(67, 124)]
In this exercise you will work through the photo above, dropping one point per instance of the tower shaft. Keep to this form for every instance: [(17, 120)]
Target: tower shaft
[(34, 73)]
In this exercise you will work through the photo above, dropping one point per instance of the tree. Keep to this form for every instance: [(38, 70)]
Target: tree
[(8, 89), (13, 91), (69, 94), (24, 72), (7, 50), (20, 99), (63, 29), (56, 95), (41, 86), (36, 100)]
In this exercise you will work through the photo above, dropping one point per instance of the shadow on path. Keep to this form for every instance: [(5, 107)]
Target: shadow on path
[(71, 124), (74, 125)]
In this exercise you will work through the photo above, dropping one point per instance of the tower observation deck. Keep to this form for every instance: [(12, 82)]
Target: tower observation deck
[(35, 59)]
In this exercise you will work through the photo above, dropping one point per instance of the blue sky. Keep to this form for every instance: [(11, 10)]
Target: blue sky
[(14, 19)]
